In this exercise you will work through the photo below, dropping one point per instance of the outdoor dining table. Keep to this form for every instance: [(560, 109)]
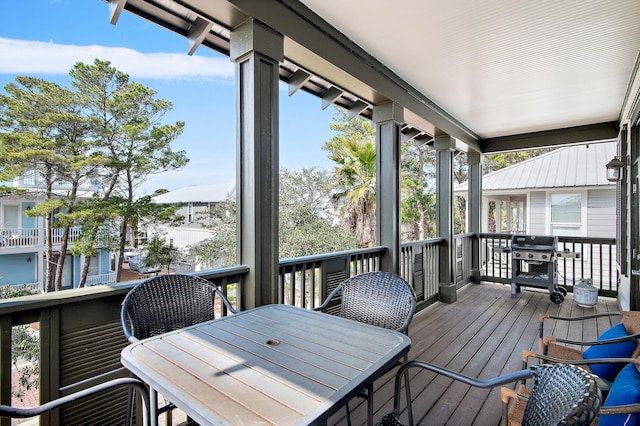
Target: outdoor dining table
[(272, 365)]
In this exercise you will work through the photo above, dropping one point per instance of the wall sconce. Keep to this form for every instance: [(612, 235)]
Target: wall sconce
[(28, 260), (614, 168)]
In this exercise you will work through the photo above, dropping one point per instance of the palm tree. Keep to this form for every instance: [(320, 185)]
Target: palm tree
[(354, 152)]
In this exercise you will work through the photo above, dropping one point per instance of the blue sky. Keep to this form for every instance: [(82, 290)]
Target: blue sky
[(44, 38)]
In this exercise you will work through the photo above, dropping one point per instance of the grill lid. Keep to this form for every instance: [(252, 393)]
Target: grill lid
[(534, 242)]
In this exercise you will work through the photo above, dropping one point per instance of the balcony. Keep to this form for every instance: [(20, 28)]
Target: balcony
[(481, 334), (31, 237)]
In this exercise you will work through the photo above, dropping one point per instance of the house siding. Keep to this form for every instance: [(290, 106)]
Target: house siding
[(28, 222), (537, 213), (601, 213), (104, 262), (15, 269)]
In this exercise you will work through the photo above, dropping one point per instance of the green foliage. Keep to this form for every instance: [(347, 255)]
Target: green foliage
[(160, 253), (418, 191), (308, 222), (25, 347), (354, 152), (9, 291), (104, 130)]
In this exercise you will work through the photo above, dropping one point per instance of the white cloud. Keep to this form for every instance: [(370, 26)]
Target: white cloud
[(36, 57)]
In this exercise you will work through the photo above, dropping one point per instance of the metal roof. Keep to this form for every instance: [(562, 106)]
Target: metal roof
[(196, 194), (570, 167)]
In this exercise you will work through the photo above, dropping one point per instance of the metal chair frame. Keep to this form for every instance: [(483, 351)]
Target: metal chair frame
[(378, 298), (562, 393), (131, 383)]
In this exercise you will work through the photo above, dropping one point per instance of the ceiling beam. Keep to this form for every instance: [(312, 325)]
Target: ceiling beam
[(356, 108), (347, 60), (197, 32), (297, 80), (600, 132), (330, 96), (115, 8)]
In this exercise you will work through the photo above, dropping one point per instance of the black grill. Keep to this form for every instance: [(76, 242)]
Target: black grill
[(533, 264)]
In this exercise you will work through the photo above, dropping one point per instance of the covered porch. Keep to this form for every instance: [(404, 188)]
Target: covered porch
[(485, 342), (444, 88), (481, 329)]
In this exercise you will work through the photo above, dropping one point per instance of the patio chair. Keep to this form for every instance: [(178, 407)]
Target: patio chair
[(23, 413), (621, 396), (167, 303), (562, 394), (619, 341), (382, 299)]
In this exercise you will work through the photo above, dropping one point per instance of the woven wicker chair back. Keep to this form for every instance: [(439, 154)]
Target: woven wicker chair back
[(562, 395), (382, 299), (168, 302)]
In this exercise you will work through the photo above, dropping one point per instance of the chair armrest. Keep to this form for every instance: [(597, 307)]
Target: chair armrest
[(328, 300), (543, 316), (547, 339), (526, 354), (225, 301), (21, 413), (620, 409)]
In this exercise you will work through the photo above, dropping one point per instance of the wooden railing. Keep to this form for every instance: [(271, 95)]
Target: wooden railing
[(80, 336), (307, 281), (80, 339), (420, 266), (463, 259)]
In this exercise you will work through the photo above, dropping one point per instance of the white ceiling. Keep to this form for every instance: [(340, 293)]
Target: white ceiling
[(502, 67)]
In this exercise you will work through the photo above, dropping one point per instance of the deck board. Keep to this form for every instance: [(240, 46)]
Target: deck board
[(481, 335)]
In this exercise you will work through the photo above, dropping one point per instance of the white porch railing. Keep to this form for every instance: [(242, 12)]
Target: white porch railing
[(101, 279), (56, 235), (18, 237)]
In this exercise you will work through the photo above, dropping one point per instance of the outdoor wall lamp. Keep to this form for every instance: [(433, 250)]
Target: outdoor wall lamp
[(614, 168), (28, 260)]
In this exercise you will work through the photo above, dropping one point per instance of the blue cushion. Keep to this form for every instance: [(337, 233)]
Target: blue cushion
[(613, 350), (625, 390)]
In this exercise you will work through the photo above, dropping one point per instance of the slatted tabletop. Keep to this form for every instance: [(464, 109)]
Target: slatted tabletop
[(273, 365)]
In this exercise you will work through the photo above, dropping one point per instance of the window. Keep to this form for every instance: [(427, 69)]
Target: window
[(11, 218), (190, 213), (566, 214), (94, 266)]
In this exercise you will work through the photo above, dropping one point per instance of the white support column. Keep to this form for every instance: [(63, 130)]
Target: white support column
[(499, 216)]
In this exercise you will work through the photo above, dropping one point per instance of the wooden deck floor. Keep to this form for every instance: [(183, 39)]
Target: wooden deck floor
[(481, 335)]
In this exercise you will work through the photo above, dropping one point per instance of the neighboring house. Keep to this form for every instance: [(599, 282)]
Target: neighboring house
[(194, 201), (22, 241), (564, 192)]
